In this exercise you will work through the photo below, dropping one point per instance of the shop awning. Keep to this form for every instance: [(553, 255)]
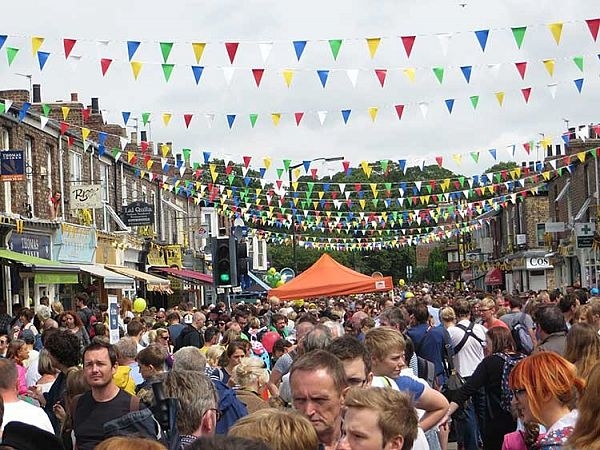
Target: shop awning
[(45, 271), (153, 283), (494, 277), (111, 280), (187, 274)]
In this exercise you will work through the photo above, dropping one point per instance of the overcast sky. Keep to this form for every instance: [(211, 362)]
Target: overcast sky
[(281, 22)]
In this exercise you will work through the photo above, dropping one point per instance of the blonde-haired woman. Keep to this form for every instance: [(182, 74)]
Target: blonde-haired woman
[(251, 377)]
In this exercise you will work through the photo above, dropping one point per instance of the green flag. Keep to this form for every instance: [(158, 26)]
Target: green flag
[(253, 118), (165, 48), (335, 45), (474, 101), (578, 60), (45, 110), (11, 52), (167, 71), (439, 73), (145, 118), (519, 34)]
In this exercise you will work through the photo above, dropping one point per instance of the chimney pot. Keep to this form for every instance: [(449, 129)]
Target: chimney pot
[(95, 105), (37, 93), (133, 135), (144, 136), (74, 97)]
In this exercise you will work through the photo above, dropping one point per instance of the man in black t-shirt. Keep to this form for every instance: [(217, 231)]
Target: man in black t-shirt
[(104, 402)]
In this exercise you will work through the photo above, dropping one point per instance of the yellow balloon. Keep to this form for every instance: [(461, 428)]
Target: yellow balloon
[(280, 283), (272, 271), (139, 305), (401, 282), (409, 295)]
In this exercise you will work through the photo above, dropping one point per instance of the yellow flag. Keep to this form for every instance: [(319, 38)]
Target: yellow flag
[(65, 112), (362, 203), (36, 43), (500, 97), (149, 164), (410, 73), (373, 112), (549, 65), (288, 75), (164, 149), (214, 176), (296, 175), (85, 132), (167, 118), (276, 117), (373, 44), (295, 186), (546, 141), (457, 157), (581, 156), (198, 48), (267, 160), (556, 30), (136, 67)]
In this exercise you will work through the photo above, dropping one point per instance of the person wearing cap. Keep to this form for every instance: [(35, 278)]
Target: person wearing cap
[(15, 408), (23, 436), (29, 338)]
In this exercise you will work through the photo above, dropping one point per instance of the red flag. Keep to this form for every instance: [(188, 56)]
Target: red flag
[(64, 126), (279, 183), (521, 67), (144, 146), (408, 42), (231, 50), (187, 118), (258, 74), (105, 64), (247, 160), (228, 169), (313, 173), (399, 110), (593, 25), (346, 165), (527, 147), (526, 93), (381, 74), (357, 187), (298, 117), (68, 45), (85, 112), (439, 161)]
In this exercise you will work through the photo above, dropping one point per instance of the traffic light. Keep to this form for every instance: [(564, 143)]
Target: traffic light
[(242, 258), (224, 262)]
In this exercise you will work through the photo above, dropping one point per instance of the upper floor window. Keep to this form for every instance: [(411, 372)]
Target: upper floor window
[(76, 166), (104, 181)]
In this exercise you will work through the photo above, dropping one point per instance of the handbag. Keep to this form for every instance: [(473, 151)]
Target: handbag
[(454, 381)]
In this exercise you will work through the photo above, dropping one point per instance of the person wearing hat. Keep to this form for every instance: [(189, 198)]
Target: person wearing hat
[(15, 408), (23, 436)]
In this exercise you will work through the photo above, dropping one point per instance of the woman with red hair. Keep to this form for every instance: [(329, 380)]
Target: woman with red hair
[(545, 388)]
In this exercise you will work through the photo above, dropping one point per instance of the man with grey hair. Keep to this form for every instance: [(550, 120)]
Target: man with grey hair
[(126, 349), (193, 334), (189, 358), (198, 412)]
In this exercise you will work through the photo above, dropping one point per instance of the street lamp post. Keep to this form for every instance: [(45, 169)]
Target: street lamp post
[(295, 166)]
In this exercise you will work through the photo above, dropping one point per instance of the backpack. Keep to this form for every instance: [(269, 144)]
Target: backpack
[(510, 361), (520, 334), (426, 370), (232, 409)]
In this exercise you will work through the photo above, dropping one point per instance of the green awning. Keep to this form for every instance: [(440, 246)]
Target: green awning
[(45, 270)]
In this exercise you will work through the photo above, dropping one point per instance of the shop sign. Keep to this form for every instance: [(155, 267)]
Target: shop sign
[(12, 165), (138, 214), (76, 244), (85, 196), (538, 263), (31, 244)]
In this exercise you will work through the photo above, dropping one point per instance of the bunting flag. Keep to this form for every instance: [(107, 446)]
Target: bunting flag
[(373, 45), (323, 75), (466, 71), (11, 53), (136, 67), (593, 25), (449, 104), (104, 65), (3, 38), (556, 30), (42, 59), (519, 35), (288, 76), (230, 120), (253, 119), (298, 117), (474, 101), (482, 37), (187, 119), (167, 71), (381, 74), (549, 65), (167, 118), (132, 47), (165, 50), (145, 118), (526, 93), (444, 40), (578, 60), (258, 74), (197, 71), (231, 48), (276, 117), (198, 49), (335, 45), (68, 45), (346, 115), (265, 50), (408, 42), (399, 111), (36, 44), (521, 68), (373, 110), (410, 73), (500, 98), (439, 74), (23, 111), (299, 48), (579, 84), (65, 112), (352, 76)]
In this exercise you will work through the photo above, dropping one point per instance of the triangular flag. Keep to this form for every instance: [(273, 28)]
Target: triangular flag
[(198, 48), (46, 110), (65, 112), (549, 65), (23, 111), (521, 68), (444, 39), (323, 75), (578, 60), (299, 48), (424, 107), (167, 118), (43, 120), (231, 48), (500, 97), (579, 84), (197, 70), (298, 117), (136, 67), (346, 115), (335, 45), (449, 104), (399, 110), (228, 72), (265, 50), (322, 115), (474, 101), (85, 132), (556, 30), (373, 45), (494, 69), (410, 73), (68, 45), (3, 38), (167, 71), (526, 93), (165, 49), (104, 65), (519, 34), (439, 161), (230, 120), (352, 75), (275, 117), (482, 37), (493, 152), (36, 44), (253, 118), (11, 52), (466, 71), (475, 156), (439, 74), (42, 58), (187, 119), (593, 25), (408, 42), (132, 47), (145, 118), (258, 74), (381, 74), (288, 75), (373, 112)]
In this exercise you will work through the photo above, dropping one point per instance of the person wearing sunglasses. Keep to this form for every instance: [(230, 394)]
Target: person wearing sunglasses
[(3, 345)]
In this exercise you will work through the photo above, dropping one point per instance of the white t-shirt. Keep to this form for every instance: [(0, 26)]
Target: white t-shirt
[(22, 411), (471, 354)]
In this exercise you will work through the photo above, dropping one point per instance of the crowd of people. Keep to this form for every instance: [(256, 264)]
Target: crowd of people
[(413, 369)]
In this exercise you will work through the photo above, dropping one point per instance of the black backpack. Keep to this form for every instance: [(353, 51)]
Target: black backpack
[(520, 334)]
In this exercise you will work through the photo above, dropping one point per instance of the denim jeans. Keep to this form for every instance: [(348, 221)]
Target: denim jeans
[(466, 426)]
